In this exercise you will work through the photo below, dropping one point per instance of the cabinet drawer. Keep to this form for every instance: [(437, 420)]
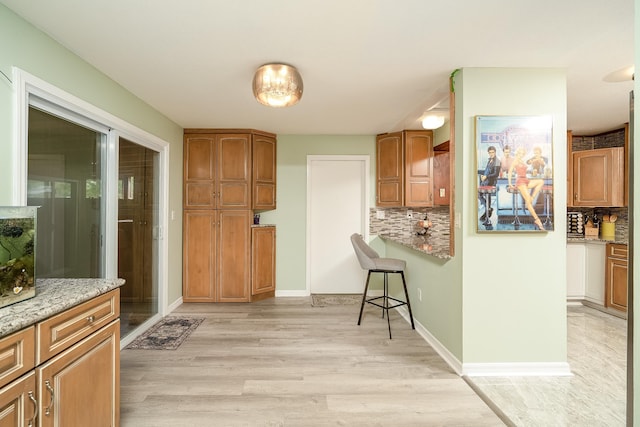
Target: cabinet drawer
[(17, 355), (617, 251), (65, 329)]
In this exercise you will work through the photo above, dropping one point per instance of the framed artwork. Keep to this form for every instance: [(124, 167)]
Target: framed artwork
[(514, 179)]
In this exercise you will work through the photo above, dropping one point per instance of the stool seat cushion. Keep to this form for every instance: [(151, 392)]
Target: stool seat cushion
[(390, 264)]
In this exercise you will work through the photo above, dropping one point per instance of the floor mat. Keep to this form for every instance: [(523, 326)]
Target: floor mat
[(323, 300), (167, 334)]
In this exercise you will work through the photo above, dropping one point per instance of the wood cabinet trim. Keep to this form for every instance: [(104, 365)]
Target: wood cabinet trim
[(17, 355), (61, 331)]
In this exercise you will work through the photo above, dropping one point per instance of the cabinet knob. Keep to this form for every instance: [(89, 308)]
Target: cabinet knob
[(91, 319)]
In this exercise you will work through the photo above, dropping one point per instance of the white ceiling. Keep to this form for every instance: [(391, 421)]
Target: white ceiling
[(369, 66)]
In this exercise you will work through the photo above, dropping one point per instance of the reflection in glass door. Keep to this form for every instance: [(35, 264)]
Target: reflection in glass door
[(137, 225), (65, 181)]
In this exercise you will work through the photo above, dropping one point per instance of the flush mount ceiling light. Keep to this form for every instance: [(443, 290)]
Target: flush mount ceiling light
[(432, 121), (277, 85)]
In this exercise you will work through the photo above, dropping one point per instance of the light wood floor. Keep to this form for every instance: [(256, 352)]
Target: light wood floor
[(282, 362)]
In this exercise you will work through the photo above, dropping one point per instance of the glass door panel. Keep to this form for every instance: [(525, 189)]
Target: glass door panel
[(137, 240), (65, 181)]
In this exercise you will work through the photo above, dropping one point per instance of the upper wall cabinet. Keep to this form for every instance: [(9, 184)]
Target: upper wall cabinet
[(598, 171), (598, 177), (217, 171), (228, 170), (264, 172), (404, 169)]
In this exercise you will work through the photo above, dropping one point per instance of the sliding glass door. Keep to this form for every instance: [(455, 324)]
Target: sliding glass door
[(71, 160), (137, 233), (65, 181)]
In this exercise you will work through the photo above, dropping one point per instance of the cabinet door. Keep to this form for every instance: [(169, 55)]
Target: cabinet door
[(598, 177), (264, 172), (575, 271), (594, 272), (616, 277), (199, 172), (389, 170), (418, 168), (234, 169), (234, 252), (263, 260), (441, 179), (18, 402), (199, 255), (17, 355), (81, 386)]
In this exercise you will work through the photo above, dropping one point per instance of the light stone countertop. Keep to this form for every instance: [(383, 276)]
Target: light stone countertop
[(53, 296), (434, 246)]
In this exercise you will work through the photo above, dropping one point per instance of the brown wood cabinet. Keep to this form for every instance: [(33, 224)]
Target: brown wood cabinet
[(598, 177), (68, 368), (264, 172), (404, 169), (263, 262), (216, 247), (18, 402), (441, 175), (227, 174), (217, 171), (616, 267)]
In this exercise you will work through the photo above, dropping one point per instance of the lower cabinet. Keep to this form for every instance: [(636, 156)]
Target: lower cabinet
[(594, 272), (263, 262), (18, 402), (77, 382), (616, 276), (216, 255), (575, 271)]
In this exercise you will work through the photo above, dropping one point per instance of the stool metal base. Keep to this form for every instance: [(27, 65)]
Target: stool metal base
[(387, 303)]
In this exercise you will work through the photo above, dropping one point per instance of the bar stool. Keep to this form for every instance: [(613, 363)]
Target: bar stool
[(547, 192), (370, 260), (515, 193), (486, 191)]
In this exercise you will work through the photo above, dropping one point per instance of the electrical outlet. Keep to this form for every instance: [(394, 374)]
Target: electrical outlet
[(410, 214), (379, 214), (443, 192), (419, 294)]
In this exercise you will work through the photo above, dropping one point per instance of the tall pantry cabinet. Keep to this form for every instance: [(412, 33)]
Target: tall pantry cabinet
[(219, 181)]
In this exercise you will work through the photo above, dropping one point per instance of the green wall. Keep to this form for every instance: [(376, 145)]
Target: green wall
[(290, 217), (514, 284), (25, 47)]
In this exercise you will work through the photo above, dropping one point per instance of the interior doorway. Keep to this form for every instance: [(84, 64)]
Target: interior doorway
[(337, 206), (137, 225)]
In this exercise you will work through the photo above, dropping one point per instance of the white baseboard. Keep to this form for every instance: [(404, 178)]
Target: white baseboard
[(177, 303), (448, 357), (285, 293), (552, 369), (555, 369)]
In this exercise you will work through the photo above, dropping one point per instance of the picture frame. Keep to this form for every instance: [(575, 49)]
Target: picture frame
[(514, 173)]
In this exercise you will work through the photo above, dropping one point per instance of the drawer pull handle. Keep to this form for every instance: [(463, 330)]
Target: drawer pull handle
[(47, 410), (91, 319), (35, 409)]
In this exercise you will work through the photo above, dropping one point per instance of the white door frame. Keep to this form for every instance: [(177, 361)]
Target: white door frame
[(365, 159), (26, 86)]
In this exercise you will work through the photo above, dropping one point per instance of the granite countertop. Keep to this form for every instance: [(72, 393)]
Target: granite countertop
[(434, 246), (53, 296), (262, 225), (617, 240)]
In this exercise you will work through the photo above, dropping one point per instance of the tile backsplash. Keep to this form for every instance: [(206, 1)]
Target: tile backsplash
[(396, 223)]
